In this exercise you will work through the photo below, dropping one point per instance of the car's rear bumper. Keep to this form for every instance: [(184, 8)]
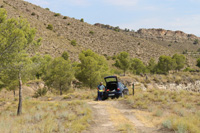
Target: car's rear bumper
[(112, 94)]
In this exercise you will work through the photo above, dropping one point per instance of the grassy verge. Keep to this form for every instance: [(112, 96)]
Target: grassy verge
[(82, 94), (38, 116), (178, 111)]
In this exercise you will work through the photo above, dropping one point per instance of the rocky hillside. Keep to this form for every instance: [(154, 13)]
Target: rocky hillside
[(87, 36), (176, 40), (166, 35)]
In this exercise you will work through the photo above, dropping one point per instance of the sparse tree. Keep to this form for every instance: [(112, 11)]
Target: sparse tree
[(165, 64), (59, 74), (123, 61), (39, 64), (92, 68), (152, 65), (180, 61), (137, 66), (16, 36)]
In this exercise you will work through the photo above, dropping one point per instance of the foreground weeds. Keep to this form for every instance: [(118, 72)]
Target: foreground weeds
[(178, 111), (46, 117)]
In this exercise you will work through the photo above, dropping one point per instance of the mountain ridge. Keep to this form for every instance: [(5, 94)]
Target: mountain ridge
[(87, 36)]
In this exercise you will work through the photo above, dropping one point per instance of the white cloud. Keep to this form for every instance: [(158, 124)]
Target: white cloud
[(122, 2)]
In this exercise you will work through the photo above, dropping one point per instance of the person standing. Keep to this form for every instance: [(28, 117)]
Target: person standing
[(100, 89), (133, 88)]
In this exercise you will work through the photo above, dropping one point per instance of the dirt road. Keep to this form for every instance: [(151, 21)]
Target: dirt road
[(114, 116)]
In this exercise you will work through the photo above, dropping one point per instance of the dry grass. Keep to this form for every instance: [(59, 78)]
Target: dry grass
[(46, 117), (81, 94), (176, 110), (120, 122)]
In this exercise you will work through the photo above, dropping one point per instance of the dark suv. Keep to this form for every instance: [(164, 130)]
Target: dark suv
[(114, 88)]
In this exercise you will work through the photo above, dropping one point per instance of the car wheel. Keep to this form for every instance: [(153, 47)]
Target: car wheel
[(127, 93), (112, 97)]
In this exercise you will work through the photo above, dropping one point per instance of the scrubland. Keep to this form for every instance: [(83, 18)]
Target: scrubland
[(176, 110), (45, 116)]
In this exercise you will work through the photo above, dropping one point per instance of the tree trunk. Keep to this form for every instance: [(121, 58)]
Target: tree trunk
[(60, 89), (19, 110), (14, 93)]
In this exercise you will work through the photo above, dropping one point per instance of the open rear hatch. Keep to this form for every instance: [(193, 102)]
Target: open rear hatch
[(111, 83)]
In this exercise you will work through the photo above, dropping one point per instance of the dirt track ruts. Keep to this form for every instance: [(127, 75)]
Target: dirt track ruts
[(102, 122)]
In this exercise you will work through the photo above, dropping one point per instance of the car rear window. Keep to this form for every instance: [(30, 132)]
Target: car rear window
[(111, 80)]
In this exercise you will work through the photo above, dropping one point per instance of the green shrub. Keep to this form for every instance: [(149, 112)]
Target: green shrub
[(185, 51), (196, 41), (167, 124), (47, 9), (82, 20), (50, 27), (198, 62), (91, 32), (188, 69), (33, 14), (40, 92), (73, 42), (57, 14), (117, 30), (64, 17), (68, 23)]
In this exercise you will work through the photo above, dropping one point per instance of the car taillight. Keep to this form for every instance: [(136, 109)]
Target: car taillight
[(108, 90), (118, 89)]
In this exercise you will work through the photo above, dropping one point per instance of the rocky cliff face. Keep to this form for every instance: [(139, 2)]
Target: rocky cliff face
[(165, 35), (155, 34)]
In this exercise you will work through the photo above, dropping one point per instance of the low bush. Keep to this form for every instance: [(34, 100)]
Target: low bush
[(73, 42), (33, 14), (82, 20), (40, 92), (57, 14), (50, 27), (91, 32)]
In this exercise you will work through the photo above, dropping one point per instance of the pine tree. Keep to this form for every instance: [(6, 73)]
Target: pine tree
[(123, 61)]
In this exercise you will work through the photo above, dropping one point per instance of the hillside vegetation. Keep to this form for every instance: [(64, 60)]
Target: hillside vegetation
[(63, 30)]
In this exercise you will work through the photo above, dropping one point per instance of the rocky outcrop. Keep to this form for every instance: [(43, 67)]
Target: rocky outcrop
[(155, 34), (165, 35), (195, 87)]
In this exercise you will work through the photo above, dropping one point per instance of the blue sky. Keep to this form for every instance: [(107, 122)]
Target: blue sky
[(174, 15)]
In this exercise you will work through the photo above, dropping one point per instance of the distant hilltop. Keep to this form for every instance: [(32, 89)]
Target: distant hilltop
[(166, 35), (155, 34)]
